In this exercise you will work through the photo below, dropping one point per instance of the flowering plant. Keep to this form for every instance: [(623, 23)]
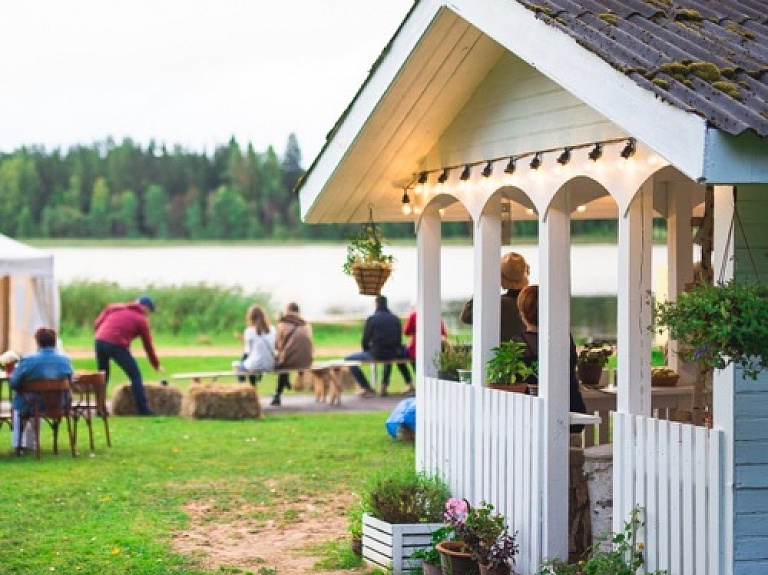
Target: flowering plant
[(482, 531)]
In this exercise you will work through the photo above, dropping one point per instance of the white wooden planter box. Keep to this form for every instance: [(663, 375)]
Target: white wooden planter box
[(389, 546)]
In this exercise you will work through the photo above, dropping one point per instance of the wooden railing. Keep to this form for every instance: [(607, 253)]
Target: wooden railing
[(673, 472)]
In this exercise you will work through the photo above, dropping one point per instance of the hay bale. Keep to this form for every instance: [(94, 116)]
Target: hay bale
[(162, 399), (215, 401)]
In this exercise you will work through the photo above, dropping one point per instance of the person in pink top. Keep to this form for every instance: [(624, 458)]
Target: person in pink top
[(117, 325)]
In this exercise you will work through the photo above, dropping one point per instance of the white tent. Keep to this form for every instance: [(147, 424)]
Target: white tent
[(29, 298)]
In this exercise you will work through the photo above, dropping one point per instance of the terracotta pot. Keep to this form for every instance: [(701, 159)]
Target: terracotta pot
[(590, 373), (356, 544), (514, 388), (454, 561), (486, 570)]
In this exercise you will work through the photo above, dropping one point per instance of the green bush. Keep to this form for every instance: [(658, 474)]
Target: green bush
[(406, 496), (185, 309)]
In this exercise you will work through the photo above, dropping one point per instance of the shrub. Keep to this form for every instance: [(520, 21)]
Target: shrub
[(406, 496)]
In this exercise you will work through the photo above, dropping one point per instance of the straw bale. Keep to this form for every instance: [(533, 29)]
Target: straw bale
[(162, 399), (216, 401)]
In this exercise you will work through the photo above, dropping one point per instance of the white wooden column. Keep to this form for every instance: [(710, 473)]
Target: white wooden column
[(428, 312), (634, 313), (554, 366), (486, 289), (679, 253), (724, 382)]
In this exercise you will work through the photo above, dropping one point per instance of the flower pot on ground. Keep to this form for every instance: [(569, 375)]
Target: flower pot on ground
[(456, 560), (402, 510), (366, 260), (592, 358), (484, 535), (429, 555), (507, 368)]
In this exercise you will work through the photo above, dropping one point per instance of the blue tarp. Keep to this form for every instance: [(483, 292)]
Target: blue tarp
[(404, 413)]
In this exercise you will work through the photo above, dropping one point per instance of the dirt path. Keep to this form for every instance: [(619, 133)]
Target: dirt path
[(274, 545)]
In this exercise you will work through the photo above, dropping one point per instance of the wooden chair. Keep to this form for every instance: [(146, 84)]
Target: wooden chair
[(6, 397), (89, 399), (48, 400)]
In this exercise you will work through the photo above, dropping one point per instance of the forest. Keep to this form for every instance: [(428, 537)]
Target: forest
[(125, 190)]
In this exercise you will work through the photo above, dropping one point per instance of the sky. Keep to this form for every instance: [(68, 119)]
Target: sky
[(188, 72)]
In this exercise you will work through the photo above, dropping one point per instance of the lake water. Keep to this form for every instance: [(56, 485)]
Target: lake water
[(312, 275)]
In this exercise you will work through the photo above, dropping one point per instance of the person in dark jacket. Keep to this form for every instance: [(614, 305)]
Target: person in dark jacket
[(528, 301), (117, 325), (382, 339)]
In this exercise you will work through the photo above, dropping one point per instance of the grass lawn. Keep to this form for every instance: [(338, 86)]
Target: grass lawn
[(115, 512)]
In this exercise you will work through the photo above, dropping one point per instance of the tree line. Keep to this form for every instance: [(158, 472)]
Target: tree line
[(125, 190)]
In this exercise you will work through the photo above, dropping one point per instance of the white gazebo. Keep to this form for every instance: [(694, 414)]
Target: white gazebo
[(556, 110)]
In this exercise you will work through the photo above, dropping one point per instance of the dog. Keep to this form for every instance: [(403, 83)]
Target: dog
[(327, 386)]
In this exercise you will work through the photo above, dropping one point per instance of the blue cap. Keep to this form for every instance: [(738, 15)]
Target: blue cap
[(145, 300)]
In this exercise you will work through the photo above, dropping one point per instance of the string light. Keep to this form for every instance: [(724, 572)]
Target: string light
[(564, 158), (406, 208), (596, 153), (629, 149)]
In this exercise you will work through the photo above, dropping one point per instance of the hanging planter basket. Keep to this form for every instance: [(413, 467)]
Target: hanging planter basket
[(366, 260), (370, 278)]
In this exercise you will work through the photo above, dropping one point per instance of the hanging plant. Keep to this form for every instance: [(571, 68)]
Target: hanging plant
[(366, 260), (718, 325)]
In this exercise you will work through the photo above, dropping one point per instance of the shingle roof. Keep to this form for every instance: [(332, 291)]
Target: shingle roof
[(709, 57)]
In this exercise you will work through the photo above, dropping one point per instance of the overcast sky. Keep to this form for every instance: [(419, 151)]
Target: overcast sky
[(189, 72)]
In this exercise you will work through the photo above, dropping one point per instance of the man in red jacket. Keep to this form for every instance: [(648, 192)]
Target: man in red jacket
[(117, 325)]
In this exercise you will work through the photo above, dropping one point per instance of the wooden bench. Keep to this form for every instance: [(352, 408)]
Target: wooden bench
[(326, 373)]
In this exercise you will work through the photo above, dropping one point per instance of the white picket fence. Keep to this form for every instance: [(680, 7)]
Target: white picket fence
[(673, 471), (487, 444)]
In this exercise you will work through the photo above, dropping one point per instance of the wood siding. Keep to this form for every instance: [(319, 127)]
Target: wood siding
[(750, 458), (515, 110)]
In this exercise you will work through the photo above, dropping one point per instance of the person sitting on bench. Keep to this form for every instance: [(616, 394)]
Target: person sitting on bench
[(382, 339), (294, 347)]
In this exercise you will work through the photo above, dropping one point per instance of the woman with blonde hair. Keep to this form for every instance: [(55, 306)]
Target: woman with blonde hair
[(259, 340)]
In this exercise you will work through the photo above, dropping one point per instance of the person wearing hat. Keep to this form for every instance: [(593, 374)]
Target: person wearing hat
[(514, 277), (116, 327)]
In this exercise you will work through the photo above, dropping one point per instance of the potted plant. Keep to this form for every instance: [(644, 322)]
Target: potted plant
[(483, 534), (591, 360), (430, 556), (718, 325), (366, 260), (402, 509), (452, 358), (507, 369), (355, 527)]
